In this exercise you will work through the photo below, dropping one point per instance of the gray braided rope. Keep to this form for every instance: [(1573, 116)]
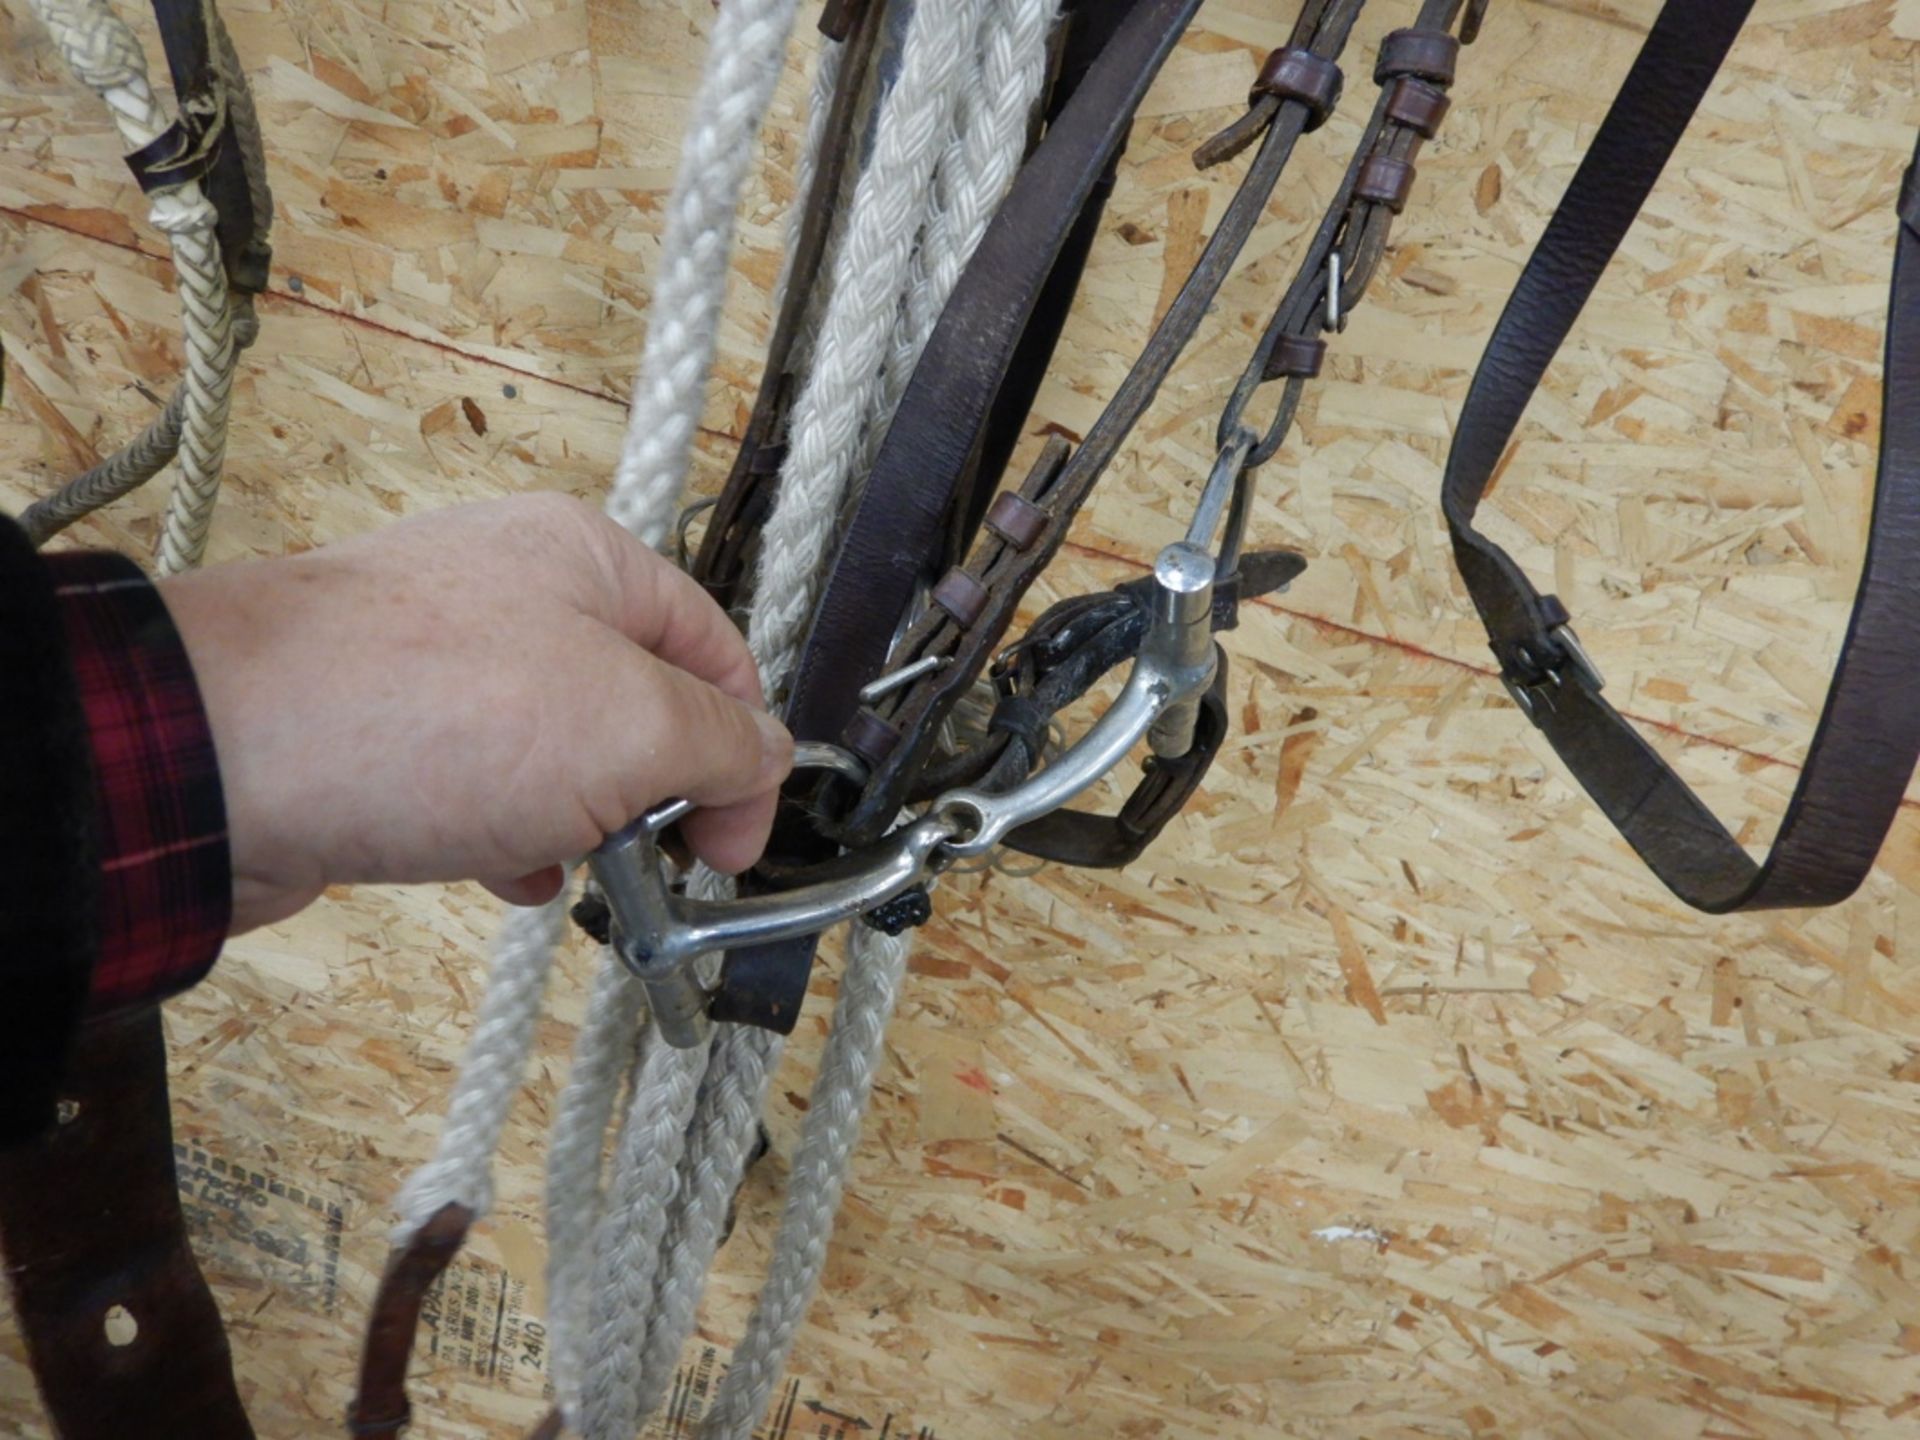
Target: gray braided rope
[(243, 122), (105, 56), (121, 473)]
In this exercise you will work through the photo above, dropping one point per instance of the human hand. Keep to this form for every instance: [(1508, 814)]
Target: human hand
[(481, 693)]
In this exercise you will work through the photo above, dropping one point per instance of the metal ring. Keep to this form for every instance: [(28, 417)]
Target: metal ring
[(1333, 291), (819, 755)]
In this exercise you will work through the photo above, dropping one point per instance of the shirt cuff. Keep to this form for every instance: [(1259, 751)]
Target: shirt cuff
[(166, 875)]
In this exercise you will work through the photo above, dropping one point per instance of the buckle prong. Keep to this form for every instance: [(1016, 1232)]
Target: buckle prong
[(1530, 695)]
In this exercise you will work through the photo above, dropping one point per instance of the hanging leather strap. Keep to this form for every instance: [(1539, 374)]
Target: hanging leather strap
[(90, 1220), (747, 497), (970, 635), (1863, 753), (993, 341), (897, 528), (215, 138)]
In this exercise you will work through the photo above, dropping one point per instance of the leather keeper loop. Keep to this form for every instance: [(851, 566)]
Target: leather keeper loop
[(961, 596), (1016, 520), (1430, 54), (178, 154), (1295, 74), (1296, 355), (870, 737), (1418, 106), (1385, 181)]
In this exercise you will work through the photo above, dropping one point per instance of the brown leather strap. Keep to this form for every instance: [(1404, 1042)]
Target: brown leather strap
[(961, 412), (1863, 752), (1323, 29), (747, 496), (91, 1227), (896, 526), (1353, 234), (203, 142), (380, 1406)]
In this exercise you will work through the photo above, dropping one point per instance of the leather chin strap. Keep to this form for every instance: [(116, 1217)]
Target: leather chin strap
[(1863, 752)]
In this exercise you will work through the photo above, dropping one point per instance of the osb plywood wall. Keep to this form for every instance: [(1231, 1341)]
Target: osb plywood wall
[(1388, 1096)]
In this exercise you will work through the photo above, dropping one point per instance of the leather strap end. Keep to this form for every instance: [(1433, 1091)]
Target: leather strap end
[(838, 18), (380, 1406), (1237, 136)]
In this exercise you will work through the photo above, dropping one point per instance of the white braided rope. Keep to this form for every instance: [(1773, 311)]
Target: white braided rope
[(870, 275), (628, 1257), (826, 80), (869, 989), (106, 57), (747, 47), (603, 1053), (986, 132), (461, 1170), (724, 1130), (626, 1244), (744, 56), (977, 165), (208, 381)]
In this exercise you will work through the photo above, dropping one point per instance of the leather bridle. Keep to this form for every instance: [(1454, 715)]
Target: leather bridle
[(935, 561)]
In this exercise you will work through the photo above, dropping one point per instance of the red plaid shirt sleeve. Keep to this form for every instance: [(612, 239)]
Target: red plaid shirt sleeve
[(166, 880)]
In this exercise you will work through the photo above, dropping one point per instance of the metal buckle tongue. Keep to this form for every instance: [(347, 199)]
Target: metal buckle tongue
[(1530, 694)]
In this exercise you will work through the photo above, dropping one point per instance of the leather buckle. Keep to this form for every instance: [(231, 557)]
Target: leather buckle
[(1531, 694)]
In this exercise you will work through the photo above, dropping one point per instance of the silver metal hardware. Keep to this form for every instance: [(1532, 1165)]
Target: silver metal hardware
[(659, 933), (1164, 677), (1530, 697), (1334, 318), (1227, 466), (631, 872), (819, 755), (1577, 653), (885, 685), (1183, 625)]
